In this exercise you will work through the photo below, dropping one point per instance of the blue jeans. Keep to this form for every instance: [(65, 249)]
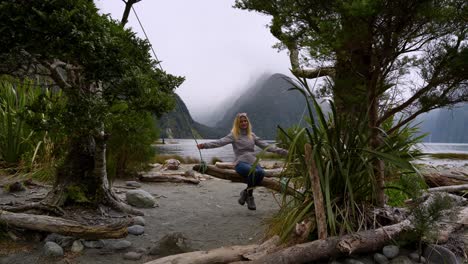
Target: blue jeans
[(253, 179)]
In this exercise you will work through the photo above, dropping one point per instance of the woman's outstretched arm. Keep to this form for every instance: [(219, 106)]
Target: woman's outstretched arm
[(217, 143), (269, 147)]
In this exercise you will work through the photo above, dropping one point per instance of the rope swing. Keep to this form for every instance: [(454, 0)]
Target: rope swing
[(203, 166)]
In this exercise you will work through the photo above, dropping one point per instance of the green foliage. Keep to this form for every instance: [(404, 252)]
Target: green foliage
[(426, 215), (107, 77), (344, 160), (15, 134), (408, 186), (370, 49), (129, 146)]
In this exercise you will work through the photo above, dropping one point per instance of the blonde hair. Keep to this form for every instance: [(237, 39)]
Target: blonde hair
[(236, 126)]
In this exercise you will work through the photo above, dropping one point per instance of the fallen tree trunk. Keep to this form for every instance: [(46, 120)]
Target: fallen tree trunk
[(234, 177), (221, 255), (167, 178), (454, 188), (63, 226), (365, 241), (436, 178)]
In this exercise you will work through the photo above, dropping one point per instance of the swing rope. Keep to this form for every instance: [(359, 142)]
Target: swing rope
[(203, 166)]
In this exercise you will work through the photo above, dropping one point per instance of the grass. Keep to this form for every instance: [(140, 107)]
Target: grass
[(185, 160), (458, 156)]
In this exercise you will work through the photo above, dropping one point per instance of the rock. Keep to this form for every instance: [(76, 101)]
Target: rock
[(121, 244), (16, 187), (63, 241), (133, 184), (381, 259), (132, 256), (140, 198), (401, 260), (352, 261), (140, 250), (77, 246), (94, 243), (190, 173), (171, 164), (139, 220), (171, 244), (136, 230), (390, 251), (415, 257), (53, 249), (439, 254)]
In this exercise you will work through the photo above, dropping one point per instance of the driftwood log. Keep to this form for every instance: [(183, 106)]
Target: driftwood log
[(232, 175), (454, 188), (162, 177), (63, 226), (443, 177), (221, 255)]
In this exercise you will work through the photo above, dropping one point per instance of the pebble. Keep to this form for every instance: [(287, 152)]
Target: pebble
[(133, 184), (439, 254), (139, 220), (121, 244), (77, 246), (53, 249), (352, 261), (63, 241), (390, 251), (136, 230), (415, 257), (132, 256), (401, 260), (94, 243), (381, 259)]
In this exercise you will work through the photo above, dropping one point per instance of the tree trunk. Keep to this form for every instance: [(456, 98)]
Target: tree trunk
[(317, 192), (75, 175), (63, 226), (221, 255), (361, 242), (83, 177)]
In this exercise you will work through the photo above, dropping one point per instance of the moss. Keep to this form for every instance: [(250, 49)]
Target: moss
[(77, 194)]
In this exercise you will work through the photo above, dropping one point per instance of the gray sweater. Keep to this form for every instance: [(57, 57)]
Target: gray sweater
[(244, 146)]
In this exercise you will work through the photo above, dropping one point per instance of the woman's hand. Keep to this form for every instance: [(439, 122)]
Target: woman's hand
[(200, 146)]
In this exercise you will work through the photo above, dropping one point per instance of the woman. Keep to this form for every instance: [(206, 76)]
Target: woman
[(243, 142)]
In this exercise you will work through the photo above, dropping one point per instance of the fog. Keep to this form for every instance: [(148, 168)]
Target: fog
[(218, 49)]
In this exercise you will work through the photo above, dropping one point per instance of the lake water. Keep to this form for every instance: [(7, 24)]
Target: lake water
[(188, 148)]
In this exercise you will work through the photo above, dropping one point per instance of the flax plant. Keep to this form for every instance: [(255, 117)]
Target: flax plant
[(15, 134), (344, 160)]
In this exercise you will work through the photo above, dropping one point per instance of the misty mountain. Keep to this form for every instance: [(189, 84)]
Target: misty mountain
[(268, 104), (446, 125), (178, 122)]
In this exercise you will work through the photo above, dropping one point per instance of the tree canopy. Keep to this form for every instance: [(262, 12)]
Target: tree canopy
[(103, 70), (411, 54)]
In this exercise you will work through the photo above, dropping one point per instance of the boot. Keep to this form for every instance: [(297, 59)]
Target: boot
[(251, 203), (243, 197)]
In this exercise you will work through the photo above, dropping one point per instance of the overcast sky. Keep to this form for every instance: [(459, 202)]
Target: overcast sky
[(217, 48)]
